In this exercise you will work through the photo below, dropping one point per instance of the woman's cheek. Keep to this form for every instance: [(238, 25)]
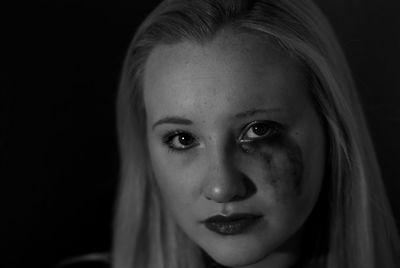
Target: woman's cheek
[(177, 176), (276, 168)]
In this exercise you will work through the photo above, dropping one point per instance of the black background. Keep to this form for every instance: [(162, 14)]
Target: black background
[(60, 64)]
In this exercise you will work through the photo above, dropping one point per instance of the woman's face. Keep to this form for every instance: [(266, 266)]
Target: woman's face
[(232, 133)]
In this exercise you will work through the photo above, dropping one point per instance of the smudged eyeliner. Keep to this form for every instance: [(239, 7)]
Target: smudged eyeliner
[(273, 130)]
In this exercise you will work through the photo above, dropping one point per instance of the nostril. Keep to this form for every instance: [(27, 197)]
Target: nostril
[(229, 190)]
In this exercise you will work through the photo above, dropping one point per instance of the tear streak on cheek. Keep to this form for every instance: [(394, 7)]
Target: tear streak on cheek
[(282, 167)]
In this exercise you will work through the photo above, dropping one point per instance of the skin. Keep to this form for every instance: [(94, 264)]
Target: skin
[(215, 93)]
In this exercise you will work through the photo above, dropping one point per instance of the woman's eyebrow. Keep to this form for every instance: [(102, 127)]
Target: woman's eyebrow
[(252, 112), (184, 121), (172, 120)]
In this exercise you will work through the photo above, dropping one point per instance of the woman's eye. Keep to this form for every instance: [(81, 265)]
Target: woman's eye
[(259, 130), (180, 141)]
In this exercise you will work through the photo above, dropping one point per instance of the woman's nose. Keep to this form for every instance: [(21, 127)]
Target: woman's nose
[(224, 181)]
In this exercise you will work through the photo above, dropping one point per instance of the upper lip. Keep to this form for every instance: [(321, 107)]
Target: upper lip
[(230, 218)]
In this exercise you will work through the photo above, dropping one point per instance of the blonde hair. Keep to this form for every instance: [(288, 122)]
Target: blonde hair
[(359, 230)]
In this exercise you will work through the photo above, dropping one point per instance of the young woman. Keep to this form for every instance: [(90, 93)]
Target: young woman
[(243, 144)]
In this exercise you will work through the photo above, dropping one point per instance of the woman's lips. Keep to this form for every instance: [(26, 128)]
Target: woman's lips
[(231, 225)]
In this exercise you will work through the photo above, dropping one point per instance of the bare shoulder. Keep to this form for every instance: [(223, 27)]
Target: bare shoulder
[(97, 260), (85, 264)]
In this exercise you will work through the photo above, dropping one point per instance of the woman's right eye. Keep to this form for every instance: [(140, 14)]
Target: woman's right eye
[(180, 140)]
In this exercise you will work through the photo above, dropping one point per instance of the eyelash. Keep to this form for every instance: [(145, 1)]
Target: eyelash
[(274, 130), (169, 137), (272, 126)]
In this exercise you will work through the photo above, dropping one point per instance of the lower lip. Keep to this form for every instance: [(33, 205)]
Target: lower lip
[(233, 227)]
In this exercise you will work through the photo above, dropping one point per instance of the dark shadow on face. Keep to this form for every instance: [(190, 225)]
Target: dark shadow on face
[(281, 159)]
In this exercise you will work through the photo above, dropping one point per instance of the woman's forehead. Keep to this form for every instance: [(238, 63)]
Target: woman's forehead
[(221, 77)]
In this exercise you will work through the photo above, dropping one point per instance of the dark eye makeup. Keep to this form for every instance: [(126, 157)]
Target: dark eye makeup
[(260, 130), (182, 140)]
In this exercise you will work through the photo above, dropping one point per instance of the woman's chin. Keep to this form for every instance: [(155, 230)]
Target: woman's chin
[(234, 258), (254, 248)]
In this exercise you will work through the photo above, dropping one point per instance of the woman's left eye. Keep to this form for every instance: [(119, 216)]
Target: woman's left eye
[(259, 130)]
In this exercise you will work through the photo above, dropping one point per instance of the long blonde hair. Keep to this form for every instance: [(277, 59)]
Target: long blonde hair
[(359, 230)]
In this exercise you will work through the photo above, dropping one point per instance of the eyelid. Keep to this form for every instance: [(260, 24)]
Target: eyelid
[(275, 126), (170, 135)]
